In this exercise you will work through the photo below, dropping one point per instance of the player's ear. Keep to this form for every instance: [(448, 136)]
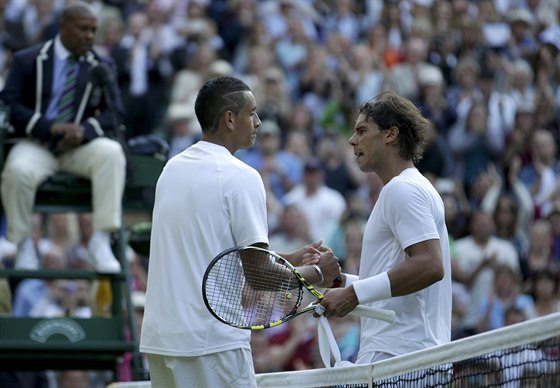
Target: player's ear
[(228, 119), (391, 134)]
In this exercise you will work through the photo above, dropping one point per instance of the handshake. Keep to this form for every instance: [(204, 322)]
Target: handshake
[(317, 264)]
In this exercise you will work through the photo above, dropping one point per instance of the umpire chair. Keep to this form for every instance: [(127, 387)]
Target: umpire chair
[(63, 343)]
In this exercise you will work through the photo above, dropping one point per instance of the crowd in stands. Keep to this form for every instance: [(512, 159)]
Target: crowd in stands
[(485, 72)]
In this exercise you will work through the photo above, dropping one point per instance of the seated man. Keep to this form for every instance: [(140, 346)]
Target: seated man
[(63, 102)]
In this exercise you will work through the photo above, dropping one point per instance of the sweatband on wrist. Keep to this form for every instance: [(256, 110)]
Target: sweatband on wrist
[(372, 289), (350, 279), (321, 278)]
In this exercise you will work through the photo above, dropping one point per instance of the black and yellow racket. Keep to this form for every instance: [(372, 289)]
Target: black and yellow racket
[(253, 288)]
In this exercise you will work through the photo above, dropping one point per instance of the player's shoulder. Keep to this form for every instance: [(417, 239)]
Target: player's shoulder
[(410, 179), (237, 163), (243, 171), (228, 166), (411, 186)]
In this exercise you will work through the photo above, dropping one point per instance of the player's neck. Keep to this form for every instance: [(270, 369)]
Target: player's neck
[(219, 140), (394, 169)]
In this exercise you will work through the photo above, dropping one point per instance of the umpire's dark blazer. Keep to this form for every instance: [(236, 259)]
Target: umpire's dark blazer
[(28, 89)]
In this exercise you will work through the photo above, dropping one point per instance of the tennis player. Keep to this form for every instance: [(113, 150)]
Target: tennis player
[(207, 201), (405, 260)]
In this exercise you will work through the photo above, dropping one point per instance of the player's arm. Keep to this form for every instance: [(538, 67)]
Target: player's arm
[(320, 267), (306, 255), (317, 262), (422, 268)]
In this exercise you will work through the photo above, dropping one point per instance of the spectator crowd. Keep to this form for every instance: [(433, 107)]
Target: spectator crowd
[(485, 72)]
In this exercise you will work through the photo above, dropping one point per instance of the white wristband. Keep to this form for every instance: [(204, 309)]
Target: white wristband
[(375, 288), (351, 279), (321, 278)]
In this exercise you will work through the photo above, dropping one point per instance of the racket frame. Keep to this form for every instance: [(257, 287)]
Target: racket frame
[(292, 314), (385, 315)]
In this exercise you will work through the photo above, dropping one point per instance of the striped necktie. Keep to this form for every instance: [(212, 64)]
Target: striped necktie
[(66, 110)]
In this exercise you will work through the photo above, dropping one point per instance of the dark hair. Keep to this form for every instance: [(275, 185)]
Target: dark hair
[(388, 110), (514, 310), (508, 200), (72, 10), (217, 96), (544, 273)]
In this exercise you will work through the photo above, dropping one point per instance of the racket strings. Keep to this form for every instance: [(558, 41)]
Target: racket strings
[(223, 287), (270, 306), (270, 294), (255, 294)]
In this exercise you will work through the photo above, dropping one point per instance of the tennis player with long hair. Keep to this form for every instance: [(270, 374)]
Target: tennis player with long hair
[(405, 260), (207, 201)]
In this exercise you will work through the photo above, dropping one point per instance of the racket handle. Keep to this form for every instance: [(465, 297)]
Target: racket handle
[(369, 312)]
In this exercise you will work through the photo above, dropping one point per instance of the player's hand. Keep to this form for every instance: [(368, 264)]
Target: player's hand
[(339, 302), (328, 263), (307, 255)]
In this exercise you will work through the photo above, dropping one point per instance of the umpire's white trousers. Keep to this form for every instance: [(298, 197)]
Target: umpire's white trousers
[(28, 164)]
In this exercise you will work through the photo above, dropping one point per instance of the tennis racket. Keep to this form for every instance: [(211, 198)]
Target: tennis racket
[(253, 288)]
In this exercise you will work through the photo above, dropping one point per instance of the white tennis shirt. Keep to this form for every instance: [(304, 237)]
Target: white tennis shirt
[(408, 211), (206, 201)]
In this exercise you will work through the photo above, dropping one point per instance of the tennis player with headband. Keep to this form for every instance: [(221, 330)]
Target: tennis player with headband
[(206, 201), (405, 260)]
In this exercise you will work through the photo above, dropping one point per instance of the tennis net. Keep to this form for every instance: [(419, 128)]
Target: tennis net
[(526, 354)]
